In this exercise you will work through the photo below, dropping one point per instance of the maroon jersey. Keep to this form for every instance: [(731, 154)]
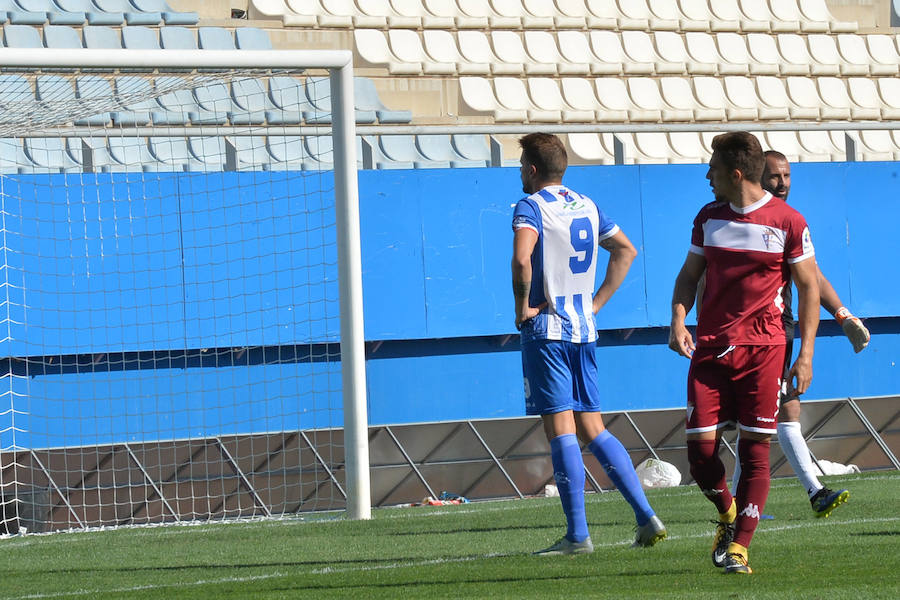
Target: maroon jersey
[(748, 255)]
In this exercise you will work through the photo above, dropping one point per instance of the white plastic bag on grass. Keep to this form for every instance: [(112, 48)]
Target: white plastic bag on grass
[(654, 473)]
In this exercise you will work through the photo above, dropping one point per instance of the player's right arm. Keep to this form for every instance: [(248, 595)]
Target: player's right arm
[(680, 339)]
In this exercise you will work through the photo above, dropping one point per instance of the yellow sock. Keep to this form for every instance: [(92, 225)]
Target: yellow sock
[(731, 515), (735, 548)]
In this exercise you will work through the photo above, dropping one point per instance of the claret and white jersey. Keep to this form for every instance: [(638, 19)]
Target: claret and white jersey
[(564, 262), (748, 256)]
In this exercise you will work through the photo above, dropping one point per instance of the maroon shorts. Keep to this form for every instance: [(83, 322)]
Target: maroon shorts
[(735, 385)]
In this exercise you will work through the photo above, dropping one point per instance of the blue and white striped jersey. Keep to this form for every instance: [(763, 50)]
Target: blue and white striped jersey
[(564, 262)]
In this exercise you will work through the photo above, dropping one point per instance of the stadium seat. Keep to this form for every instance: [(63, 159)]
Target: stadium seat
[(12, 156), (130, 154), (698, 11), (578, 93), (475, 47), (54, 15), (864, 93), (448, 9), (878, 145), (641, 12), (91, 13), (135, 113), (510, 51), (516, 9), (207, 153), (543, 48), (318, 93), (288, 101), (607, 47), (613, 94), (639, 48), (816, 13), (802, 91), (478, 95), (132, 16), (170, 17), (319, 152), (768, 60), (589, 148), (251, 153), (671, 49), (137, 37), (741, 93), (788, 144), (575, 48), (794, 53), (758, 11), (14, 90), (372, 47), (89, 89), (823, 49), (177, 106), (48, 155), (473, 149), (512, 94), (287, 152), (367, 100), (583, 10), (416, 9), (701, 49), (215, 38), (834, 95), (654, 147), (645, 94), (16, 16), (821, 145), (772, 93), (92, 154), (442, 48), (546, 96), (711, 96), (406, 46), (21, 36), (889, 89), (854, 55), (730, 11), (735, 57), (252, 38), (177, 38), (540, 10), (250, 103), (384, 9), (679, 94), (885, 57), (483, 10), (400, 152), (687, 147), (172, 154), (214, 101), (101, 37), (61, 36)]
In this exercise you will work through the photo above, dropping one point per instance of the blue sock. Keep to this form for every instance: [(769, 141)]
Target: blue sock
[(568, 470), (617, 464)]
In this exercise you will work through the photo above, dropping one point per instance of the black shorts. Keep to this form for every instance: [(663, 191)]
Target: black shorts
[(786, 373)]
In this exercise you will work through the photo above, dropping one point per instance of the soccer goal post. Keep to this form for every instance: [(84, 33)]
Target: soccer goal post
[(182, 288)]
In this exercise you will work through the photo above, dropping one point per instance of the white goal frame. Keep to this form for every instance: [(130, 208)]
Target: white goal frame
[(339, 64)]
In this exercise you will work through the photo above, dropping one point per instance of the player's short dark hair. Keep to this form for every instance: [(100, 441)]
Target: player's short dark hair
[(741, 150), (775, 154), (547, 153)]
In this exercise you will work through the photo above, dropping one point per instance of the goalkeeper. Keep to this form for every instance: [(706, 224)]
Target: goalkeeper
[(776, 179)]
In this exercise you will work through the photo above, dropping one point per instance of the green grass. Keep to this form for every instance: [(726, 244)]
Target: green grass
[(480, 550)]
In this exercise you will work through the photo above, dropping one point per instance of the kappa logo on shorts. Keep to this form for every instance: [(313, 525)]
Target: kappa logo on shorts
[(765, 419)]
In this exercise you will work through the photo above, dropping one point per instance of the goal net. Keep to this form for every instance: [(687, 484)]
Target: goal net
[(181, 303)]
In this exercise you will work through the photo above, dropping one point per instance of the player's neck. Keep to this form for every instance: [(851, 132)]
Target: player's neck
[(750, 194)]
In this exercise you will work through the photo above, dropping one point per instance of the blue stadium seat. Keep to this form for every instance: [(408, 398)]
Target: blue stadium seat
[(177, 38), (101, 37), (137, 112), (169, 16), (172, 154), (136, 37), (472, 147), (288, 100), (214, 101), (49, 155), (249, 102), (88, 87), (318, 92), (53, 14), (61, 36), (94, 158), (14, 90), (131, 154), (400, 152), (207, 152), (251, 153), (176, 107), (366, 99), (21, 36), (252, 38), (287, 152), (93, 16), (132, 16), (12, 157), (215, 38), (12, 11), (440, 148)]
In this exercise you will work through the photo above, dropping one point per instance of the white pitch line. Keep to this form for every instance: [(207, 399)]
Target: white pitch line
[(414, 564)]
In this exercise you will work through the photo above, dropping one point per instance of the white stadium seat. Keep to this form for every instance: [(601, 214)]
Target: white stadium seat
[(711, 94), (742, 93), (589, 148), (645, 94), (578, 93), (885, 58), (766, 60), (802, 91), (639, 48), (864, 93), (670, 47), (855, 55), (795, 55), (510, 50), (372, 47), (575, 47), (448, 9), (678, 93), (542, 47), (833, 92), (512, 94), (441, 47), (640, 11), (406, 45), (667, 10), (612, 93), (545, 95)]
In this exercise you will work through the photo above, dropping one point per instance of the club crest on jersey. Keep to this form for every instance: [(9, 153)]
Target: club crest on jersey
[(767, 236)]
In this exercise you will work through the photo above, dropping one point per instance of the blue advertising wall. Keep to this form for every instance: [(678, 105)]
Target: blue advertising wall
[(245, 269)]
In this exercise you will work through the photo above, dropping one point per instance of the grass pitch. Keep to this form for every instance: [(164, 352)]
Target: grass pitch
[(480, 550)]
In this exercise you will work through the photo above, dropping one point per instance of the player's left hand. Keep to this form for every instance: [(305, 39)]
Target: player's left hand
[(530, 313)]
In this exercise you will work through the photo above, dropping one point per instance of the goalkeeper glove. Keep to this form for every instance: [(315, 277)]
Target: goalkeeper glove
[(853, 328)]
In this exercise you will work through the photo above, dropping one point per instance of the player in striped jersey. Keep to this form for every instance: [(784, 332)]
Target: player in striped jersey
[(751, 245), (556, 235)]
